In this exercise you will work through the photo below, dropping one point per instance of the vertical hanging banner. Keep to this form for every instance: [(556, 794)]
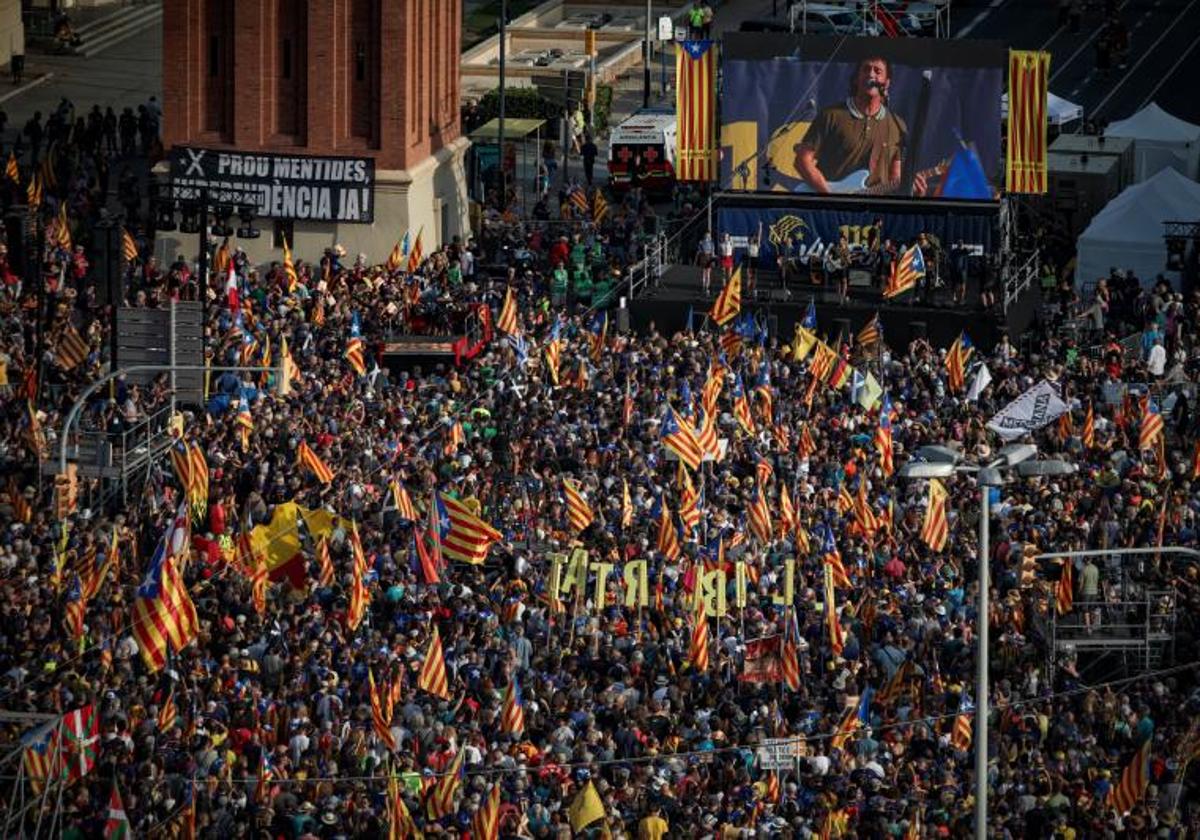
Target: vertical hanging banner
[(696, 110), (1028, 90)]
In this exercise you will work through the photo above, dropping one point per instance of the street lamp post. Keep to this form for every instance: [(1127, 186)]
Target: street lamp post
[(943, 463)]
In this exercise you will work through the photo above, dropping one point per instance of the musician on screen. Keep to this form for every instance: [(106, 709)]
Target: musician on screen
[(857, 145)]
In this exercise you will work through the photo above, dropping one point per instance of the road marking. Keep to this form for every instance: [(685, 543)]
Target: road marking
[(1145, 54), (979, 18), (1167, 75), (1083, 46), (45, 77)]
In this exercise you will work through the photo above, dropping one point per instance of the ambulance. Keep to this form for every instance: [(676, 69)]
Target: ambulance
[(641, 150)]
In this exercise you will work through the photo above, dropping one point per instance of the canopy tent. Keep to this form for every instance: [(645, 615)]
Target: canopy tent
[(1058, 110), (1160, 140), (1128, 232)]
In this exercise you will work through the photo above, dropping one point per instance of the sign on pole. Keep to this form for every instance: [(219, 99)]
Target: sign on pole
[(779, 753), (666, 28)]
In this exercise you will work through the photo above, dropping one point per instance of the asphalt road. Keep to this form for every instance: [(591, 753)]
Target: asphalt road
[(1164, 35)]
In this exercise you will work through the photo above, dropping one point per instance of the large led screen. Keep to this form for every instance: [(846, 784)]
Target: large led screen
[(861, 116)]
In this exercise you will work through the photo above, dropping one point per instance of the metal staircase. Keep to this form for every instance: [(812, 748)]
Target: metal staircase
[(120, 461)]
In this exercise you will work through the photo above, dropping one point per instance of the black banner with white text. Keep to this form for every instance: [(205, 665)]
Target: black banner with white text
[(298, 187)]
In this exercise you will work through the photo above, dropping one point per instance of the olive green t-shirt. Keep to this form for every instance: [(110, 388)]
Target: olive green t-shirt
[(845, 141)]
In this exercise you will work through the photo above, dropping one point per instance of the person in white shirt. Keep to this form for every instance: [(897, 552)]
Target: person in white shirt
[(726, 253), (1157, 362)]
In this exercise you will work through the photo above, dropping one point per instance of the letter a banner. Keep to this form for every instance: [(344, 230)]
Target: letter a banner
[(1028, 91), (696, 110)]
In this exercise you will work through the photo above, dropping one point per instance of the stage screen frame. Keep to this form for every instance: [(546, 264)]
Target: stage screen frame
[(762, 122)]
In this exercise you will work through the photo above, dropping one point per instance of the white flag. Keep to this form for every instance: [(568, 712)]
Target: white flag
[(983, 378), (1037, 407)]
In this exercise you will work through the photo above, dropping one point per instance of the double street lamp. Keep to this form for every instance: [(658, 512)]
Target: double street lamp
[(943, 462)]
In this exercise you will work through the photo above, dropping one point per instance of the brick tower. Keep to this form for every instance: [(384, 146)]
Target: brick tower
[(363, 79)]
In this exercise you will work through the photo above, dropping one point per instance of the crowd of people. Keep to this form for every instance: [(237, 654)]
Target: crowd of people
[(628, 702)]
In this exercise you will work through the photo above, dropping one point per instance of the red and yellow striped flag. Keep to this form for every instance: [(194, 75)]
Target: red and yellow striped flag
[(506, 322), (760, 516), (579, 512), (324, 564), (936, 529), (836, 638), (433, 670), (698, 650), (729, 302), (1124, 795), (381, 714), (164, 617), (1028, 91), (668, 538), (485, 825), (1064, 593), (403, 502), (696, 107), (439, 802), (360, 597), (168, 715), (289, 268), (689, 500), (512, 710), (310, 460)]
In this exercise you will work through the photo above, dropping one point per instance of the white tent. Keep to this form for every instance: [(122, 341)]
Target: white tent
[(1128, 232), (1058, 110), (1161, 140)]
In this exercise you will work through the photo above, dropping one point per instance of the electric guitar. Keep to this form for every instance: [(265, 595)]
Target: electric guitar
[(856, 182)]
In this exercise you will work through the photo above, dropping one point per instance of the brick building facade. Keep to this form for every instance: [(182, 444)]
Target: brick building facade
[(378, 78)]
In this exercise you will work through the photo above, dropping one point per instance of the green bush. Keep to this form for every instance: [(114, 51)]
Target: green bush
[(519, 103), (604, 97)]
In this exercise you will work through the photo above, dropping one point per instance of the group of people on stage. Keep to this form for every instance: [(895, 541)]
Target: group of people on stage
[(836, 265)]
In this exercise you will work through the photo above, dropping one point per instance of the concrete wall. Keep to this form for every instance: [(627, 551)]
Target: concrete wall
[(12, 31)]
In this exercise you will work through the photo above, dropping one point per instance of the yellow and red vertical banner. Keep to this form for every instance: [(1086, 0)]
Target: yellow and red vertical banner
[(696, 110), (1028, 91)]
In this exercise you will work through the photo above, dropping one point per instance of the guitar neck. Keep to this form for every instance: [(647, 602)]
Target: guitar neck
[(883, 189)]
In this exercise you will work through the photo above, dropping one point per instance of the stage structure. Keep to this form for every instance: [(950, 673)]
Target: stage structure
[(838, 156)]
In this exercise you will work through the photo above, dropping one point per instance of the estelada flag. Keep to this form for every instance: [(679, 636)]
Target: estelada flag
[(463, 535), (696, 107)]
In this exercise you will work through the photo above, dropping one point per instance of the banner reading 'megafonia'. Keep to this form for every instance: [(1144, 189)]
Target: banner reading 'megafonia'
[(696, 111), (1028, 90)]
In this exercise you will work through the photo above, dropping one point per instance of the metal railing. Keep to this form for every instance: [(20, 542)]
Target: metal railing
[(649, 269), (1019, 278)]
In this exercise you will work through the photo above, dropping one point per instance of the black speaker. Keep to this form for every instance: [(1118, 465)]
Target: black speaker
[(773, 325), (108, 265)]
